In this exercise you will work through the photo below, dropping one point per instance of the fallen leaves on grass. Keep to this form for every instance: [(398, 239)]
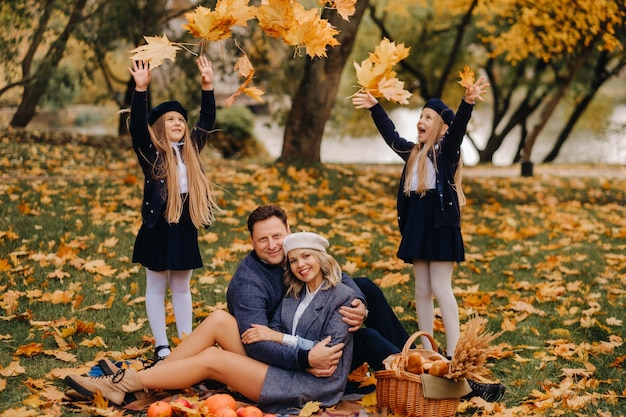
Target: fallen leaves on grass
[(545, 265)]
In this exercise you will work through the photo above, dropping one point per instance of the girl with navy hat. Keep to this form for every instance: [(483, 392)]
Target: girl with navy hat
[(428, 203), (177, 198)]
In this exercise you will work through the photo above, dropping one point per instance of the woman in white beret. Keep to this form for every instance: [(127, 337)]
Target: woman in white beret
[(309, 313)]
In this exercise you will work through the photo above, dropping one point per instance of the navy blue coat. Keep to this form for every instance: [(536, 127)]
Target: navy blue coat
[(155, 190), (447, 161)]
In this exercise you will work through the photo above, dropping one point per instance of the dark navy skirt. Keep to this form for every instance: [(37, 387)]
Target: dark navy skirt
[(169, 246), (422, 239)]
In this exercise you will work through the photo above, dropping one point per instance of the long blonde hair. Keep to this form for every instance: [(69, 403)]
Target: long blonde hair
[(202, 204), (331, 271), (419, 158)]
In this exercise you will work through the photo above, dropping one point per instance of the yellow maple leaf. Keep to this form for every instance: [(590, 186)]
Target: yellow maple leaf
[(212, 25), (345, 8), (14, 368), (29, 350), (157, 50), (388, 53), (297, 26), (369, 400), (245, 69), (310, 408), (391, 280), (467, 77), (375, 74)]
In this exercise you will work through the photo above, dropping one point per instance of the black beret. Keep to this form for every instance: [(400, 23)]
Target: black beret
[(446, 113), (165, 107)]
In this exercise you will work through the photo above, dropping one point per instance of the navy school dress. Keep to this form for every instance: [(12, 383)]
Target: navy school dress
[(160, 245), (169, 245)]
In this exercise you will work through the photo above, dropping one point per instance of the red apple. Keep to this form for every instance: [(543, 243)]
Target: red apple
[(180, 406), (160, 409)]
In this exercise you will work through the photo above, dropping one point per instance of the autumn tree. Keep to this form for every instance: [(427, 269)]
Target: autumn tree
[(45, 49), (447, 34), (313, 101), (562, 34)]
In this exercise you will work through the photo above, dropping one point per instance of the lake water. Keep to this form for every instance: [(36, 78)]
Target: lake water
[(607, 148)]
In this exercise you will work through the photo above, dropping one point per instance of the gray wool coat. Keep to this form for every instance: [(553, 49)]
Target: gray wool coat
[(284, 390)]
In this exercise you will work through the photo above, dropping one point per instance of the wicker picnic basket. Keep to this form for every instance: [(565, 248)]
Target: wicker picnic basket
[(400, 391)]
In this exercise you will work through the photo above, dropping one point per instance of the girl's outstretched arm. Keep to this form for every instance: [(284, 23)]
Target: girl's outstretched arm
[(206, 73), (141, 74), (475, 91)]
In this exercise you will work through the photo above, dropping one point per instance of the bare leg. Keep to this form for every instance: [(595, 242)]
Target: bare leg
[(219, 328), (243, 374)]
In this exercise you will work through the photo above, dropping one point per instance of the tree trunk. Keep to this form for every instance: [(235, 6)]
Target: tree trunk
[(600, 75), (316, 93), (34, 90), (549, 110)]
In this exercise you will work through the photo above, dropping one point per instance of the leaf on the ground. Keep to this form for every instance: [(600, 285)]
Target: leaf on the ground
[(29, 350), (133, 325), (98, 266), (389, 280), (13, 369), (156, 50), (310, 408), (95, 342)]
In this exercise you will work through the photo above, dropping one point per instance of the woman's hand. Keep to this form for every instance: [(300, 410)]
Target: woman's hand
[(141, 74), (475, 91), (206, 72), (364, 100), (259, 333)]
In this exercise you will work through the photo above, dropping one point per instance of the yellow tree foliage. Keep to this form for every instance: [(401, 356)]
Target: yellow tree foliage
[(284, 19), (549, 28)]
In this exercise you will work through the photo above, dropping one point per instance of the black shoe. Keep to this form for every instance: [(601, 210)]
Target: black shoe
[(352, 387), (488, 392), (157, 349)]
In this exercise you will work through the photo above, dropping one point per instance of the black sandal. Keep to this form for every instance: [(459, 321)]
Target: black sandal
[(157, 349)]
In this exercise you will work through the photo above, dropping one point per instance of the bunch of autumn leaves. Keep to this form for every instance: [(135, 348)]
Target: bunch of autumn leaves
[(290, 21)]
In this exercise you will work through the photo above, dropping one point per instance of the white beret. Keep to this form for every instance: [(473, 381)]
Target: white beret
[(304, 240)]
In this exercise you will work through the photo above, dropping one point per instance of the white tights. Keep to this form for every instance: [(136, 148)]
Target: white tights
[(156, 285), (435, 279)]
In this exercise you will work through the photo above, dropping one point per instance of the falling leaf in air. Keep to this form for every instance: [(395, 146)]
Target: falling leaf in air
[(467, 77), (345, 8), (157, 50), (215, 25), (297, 26), (245, 69)]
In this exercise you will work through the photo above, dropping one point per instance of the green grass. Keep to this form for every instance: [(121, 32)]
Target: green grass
[(545, 253)]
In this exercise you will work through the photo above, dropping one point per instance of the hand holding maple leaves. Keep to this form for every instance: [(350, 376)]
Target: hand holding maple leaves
[(206, 72), (475, 91), (364, 100), (141, 74)]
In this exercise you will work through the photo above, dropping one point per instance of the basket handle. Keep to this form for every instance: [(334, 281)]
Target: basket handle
[(412, 338)]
